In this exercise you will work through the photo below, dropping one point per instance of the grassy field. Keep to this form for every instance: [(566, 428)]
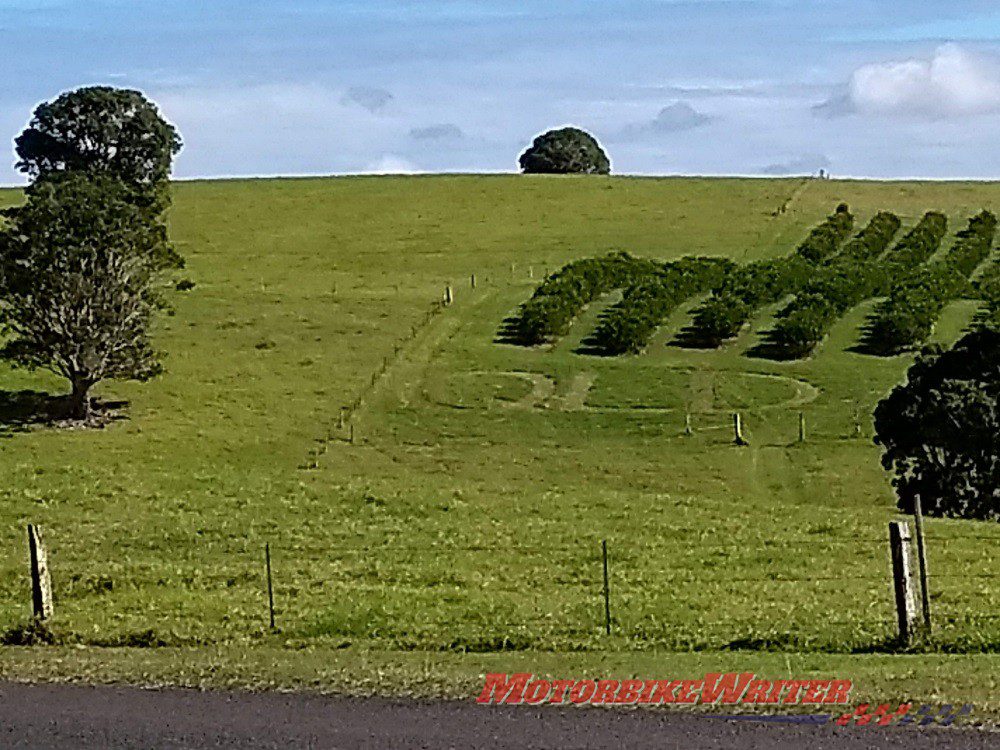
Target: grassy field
[(468, 513)]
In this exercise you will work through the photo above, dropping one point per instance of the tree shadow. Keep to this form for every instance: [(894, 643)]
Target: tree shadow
[(509, 333), (769, 348), (868, 342), (20, 411), (689, 337), (592, 345)]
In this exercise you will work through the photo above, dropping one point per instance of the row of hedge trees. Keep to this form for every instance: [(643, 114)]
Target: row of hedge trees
[(987, 287), (565, 293), (750, 287), (628, 326), (907, 316), (852, 275)]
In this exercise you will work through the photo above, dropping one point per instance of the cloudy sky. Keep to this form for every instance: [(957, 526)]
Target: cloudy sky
[(856, 87)]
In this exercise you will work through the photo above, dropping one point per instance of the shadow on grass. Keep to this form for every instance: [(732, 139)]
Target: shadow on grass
[(591, 345), (508, 333), (688, 337), (21, 411), (868, 343), (768, 348)]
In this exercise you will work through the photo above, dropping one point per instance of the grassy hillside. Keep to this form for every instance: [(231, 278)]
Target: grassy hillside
[(469, 511)]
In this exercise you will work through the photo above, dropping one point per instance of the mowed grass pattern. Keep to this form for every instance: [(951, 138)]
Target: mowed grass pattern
[(469, 511)]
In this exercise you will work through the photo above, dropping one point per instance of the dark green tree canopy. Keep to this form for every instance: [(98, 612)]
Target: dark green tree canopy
[(565, 151), (100, 130), (941, 430), (78, 266)]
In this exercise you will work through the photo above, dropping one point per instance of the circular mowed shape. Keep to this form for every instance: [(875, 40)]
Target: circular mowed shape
[(695, 390), (637, 389), (481, 390)]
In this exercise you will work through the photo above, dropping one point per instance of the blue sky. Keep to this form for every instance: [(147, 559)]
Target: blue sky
[(857, 87)]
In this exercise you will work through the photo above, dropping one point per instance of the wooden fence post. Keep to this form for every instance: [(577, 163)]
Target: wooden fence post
[(607, 591), (738, 430), (688, 430), (472, 280), (41, 581), (270, 586), (902, 581), (802, 427), (448, 297), (925, 597)]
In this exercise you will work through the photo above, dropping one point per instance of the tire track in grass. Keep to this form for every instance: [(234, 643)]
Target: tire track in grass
[(417, 348), (542, 396)]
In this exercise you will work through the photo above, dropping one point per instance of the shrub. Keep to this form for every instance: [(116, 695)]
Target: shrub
[(564, 294), (750, 287), (849, 277), (915, 302), (630, 324), (939, 430)]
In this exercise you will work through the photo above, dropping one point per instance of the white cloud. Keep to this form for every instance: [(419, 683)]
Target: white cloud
[(952, 83), (674, 118), (292, 128), (392, 164), (678, 116)]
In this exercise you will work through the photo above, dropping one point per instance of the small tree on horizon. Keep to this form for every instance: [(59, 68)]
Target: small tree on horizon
[(565, 151), (78, 266)]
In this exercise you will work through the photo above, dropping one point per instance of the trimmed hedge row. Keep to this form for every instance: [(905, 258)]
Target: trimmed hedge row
[(988, 288), (907, 316), (564, 294), (755, 285), (628, 326), (845, 280)]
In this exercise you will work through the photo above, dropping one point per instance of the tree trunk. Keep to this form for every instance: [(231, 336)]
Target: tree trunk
[(79, 400)]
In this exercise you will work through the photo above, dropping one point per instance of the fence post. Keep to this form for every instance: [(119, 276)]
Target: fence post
[(270, 586), (607, 592), (41, 581), (472, 280), (738, 430), (448, 297), (688, 430), (902, 581), (925, 597), (802, 426), (352, 433)]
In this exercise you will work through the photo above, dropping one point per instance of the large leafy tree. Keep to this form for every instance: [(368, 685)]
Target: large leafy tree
[(101, 130), (941, 430), (565, 151), (78, 268)]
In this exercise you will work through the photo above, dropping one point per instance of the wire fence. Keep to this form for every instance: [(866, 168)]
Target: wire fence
[(827, 594)]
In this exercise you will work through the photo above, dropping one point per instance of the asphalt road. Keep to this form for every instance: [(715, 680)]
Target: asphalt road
[(65, 716)]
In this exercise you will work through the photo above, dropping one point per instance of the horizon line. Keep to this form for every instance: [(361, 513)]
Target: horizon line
[(512, 173)]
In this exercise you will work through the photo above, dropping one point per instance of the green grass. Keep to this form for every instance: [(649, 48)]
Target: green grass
[(931, 679), (468, 513)]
